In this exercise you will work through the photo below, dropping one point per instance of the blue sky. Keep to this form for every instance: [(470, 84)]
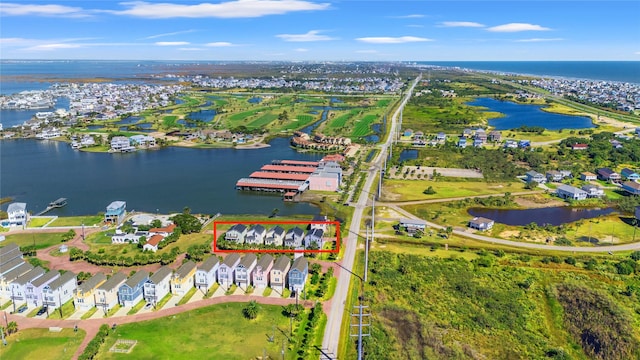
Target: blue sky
[(320, 30)]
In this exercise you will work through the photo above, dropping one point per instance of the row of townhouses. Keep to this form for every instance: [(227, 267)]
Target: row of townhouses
[(631, 185), (277, 236)]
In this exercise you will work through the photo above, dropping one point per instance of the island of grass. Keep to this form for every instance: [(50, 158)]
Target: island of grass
[(42, 344)]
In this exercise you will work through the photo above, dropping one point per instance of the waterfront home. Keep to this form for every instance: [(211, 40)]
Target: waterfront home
[(226, 270), (158, 285), (629, 174), (593, 191), (293, 237), (278, 274), (275, 236), (607, 174), (17, 287), (462, 142), (631, 187), (163, 231), (510, 144), (570, 192), (236, 234), (319, 222), (206, 274), (33, 289), (441, 137), (579, 147), (534, 176), (588, 176), (49, 133), (17, 213), (59, 291), (480, 223), (121, 144), (7, 278), (554, 176), (412, 225), (124, 238), (131, 292), (566, 173), (85, 292), (314, 238), (244, 269), (324, 180), (142, 140), (616, 144), (255, 235), (116, 211), (260, 275), (297, 276), (107, 293), (495, 136), (183, 278)]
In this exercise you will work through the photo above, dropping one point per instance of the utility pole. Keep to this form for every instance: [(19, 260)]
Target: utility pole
[(366, 256)]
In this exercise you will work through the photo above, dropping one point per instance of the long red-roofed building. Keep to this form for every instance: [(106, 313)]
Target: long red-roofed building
[(278, 176), (289, 169)]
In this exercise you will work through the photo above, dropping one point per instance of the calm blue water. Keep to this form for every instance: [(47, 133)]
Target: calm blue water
[(529, 115), (622, 71), (203, 115), (408, 154), (255, 100), (167, 179), (553, 215), (129, 120), (10, 118)]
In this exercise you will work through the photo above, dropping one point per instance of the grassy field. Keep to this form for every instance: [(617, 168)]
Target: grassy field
[(40, 240), (405, 190), (78, 220), (42, 344), (37, 222), (214, 332)]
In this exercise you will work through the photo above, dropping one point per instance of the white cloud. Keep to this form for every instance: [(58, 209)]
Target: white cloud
[(16, 41), (169, 34), (13, 9), (313, 35), (301, 50), (50, 47), (415, 26), (190, 49), (229, 9), (172, 43), (460, 24), (515, 27), (220, 44), (410, 16), (539, 40), (392, 40)]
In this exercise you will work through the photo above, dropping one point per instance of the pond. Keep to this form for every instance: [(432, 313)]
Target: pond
[(255, 100), (374, 138), (129, 120), (517, 115), (408, 154), (203, 115), (542, 216)]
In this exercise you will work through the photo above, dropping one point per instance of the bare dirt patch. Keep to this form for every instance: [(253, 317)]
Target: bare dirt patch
[(537, 201)]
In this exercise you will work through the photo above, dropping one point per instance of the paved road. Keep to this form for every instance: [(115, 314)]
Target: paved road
[(331, 337)]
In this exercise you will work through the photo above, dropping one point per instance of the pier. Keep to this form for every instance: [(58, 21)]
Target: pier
[(53, 205)]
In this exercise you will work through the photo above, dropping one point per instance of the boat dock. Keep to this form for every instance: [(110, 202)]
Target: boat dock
[(53, 205)]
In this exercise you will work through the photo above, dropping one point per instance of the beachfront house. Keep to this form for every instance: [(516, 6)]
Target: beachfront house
[(297, 276), (523, 144), (158, 285), (275, 236), (631, 187), (116, 211), (510, 144), (226, 270), (206, 274), (85, 292), (142, 140), (107, 293), (17, 213), (33, 289), (131, 292), (260, 275), (579, 147), (278, 274), (588, 176), (481, 224), (570, 192), (183, 278), (236, 234), (629, 174), (314, 238), (163, 231), (60, 290), (244, 269), (255, 235), (121, 144), (293, 237), (593, 191)]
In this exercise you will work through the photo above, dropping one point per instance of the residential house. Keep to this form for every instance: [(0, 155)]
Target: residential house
[(183, 278), (60, 290), (124, 238), (17, 213), (131, 292), (116, 212), (418, 135), (630, 174), (480, 223), (244, 269), (462, 142), (206, 274), (314, 238), (297, 276), (10, 257), (411, 225), (481, 135), (106, 296), (467, 133), (319, 222), (17, 287), (566, 173), (260, 275), (275, 236), (495, 136), (570, 192), (593, 191), (441, 137), (227, 269), (616, 144), (7, 278), (579, 147), (163, 231), (293, 238), (85, 292), (33, 289), (236, 234), (158, 285), (588, 176), (7, 266), (607, 174), (142, 140), (534, 176), (278, 274), (524, 144), (255, 235), (121, 144), (510, 144), (554, 176), (631, 187), (477, 143), (152, 243)]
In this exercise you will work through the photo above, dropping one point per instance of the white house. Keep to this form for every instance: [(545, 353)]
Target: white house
[(121, 144), (158, 285), (294, 237), (480, 223), (152, 243), (236, 233), (142, 140), (116, 212), (593, 191), (314, 238), (124, 238), (227, 269), (255, 235), (17, 288), (60, 290), (33, 289), (206, 274), (17, 213), (570, 192), (275, 236), (244, 269)]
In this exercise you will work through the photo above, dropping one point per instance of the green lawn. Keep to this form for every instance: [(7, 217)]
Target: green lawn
[(37, 222), (405, 190), (214, 332), (363, 127), (41, 240), (78, 220), (262, 121), (42, 344)]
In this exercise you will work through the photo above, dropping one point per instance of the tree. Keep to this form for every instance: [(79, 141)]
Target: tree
[(251, 310), (429, 191), (12, 327), (187, 223), (68, 235)]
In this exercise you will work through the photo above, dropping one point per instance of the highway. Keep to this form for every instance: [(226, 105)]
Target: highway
[(331, 337)]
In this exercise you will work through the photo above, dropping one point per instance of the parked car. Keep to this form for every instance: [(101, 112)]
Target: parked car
[(42, 311), (22, 309), (147, 306)]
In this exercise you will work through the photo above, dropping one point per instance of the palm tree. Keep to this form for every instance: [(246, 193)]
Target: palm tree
[(12, 327), (251, 310)]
